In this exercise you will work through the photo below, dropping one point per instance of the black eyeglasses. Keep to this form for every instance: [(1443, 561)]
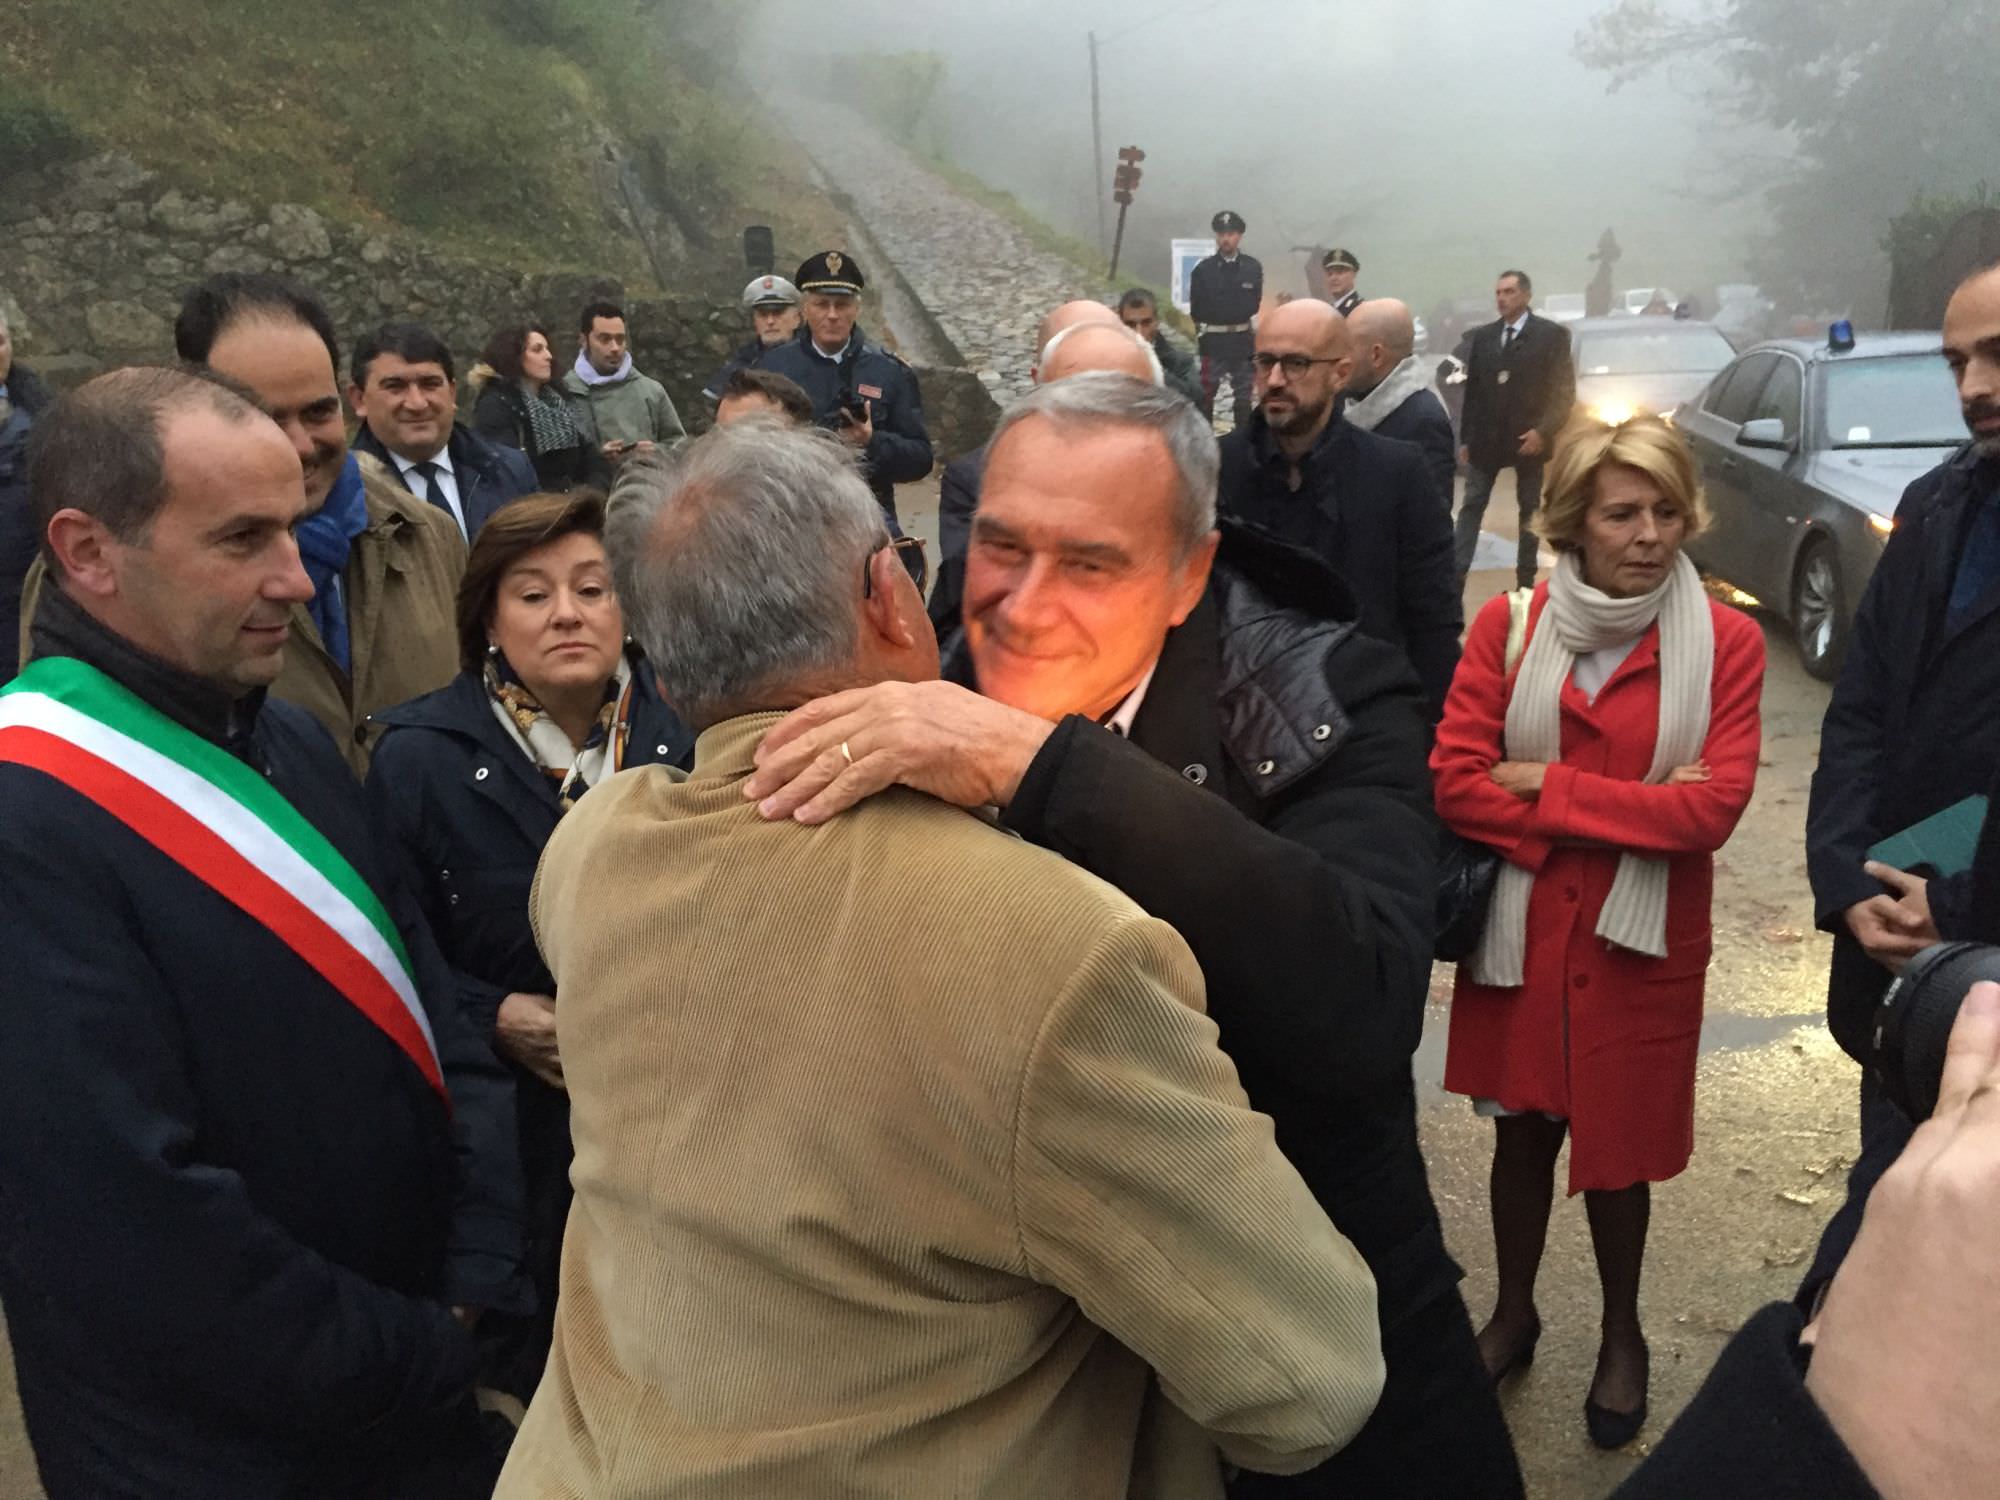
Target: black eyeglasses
[(1294, 365), (905, 547)]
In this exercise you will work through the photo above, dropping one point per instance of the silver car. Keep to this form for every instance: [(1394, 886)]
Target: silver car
[(1805, 449), (1629, 365)]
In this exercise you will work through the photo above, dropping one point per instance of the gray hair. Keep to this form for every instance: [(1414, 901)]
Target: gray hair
[(738, 559), (1102, 399)]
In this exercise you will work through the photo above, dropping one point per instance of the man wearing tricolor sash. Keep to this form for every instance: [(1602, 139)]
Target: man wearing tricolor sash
[(250, 1207)]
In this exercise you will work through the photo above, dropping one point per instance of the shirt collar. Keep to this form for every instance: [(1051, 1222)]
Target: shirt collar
[(441, 458), (1120, 722), (1519, 323)]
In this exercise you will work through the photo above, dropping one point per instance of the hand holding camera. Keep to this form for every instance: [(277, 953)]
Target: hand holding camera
[(857, 424)]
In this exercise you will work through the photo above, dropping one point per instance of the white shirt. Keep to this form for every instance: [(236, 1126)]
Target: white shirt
[(1594, 668), (1515, 327), (833, 358), (1120, 723), (447, 481)]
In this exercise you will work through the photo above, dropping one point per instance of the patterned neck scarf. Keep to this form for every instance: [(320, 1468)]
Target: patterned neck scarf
[(573, 771), (550, 422)]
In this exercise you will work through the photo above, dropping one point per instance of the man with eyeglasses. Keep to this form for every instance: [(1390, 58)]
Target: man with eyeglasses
[(1190, 714), (1361, 502)]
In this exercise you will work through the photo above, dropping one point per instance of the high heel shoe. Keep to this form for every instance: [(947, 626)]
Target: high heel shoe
[(1521, 1355), (1614, 1429)]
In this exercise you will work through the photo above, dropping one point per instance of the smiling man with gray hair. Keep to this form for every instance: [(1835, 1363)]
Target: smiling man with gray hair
[(903, 1148)]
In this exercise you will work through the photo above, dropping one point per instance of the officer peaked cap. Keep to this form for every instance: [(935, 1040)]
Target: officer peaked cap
[(831, 271), (1228, 222), (1340, 260)]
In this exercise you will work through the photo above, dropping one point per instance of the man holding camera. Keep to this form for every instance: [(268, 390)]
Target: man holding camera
[(862, 393), (1903, 738)]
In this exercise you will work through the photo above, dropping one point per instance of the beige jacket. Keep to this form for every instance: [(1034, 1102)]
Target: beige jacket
[(402, 598), (903, 1149)]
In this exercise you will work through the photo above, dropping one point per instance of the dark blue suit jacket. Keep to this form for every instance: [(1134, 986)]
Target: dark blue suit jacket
[(489, 474)]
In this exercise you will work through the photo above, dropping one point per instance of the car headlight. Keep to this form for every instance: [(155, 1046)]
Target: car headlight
[(1613, 413), (1882, 525)]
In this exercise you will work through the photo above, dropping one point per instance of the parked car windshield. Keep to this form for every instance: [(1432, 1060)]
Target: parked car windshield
[(1900, 401), (1668, 350)]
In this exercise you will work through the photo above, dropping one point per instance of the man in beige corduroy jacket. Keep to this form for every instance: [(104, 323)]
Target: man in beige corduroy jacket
[(906, 1160)]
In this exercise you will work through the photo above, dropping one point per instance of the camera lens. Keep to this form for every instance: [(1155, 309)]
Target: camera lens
[(1914, 1021)]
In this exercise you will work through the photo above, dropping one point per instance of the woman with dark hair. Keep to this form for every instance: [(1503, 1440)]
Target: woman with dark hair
[(518, 404), (1606, 757), (473, 778)]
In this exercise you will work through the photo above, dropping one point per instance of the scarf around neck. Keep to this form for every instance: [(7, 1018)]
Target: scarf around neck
[(587, 372), (326, 537), (1397, 386), (550, 425), (1576, 621), (571, 770)]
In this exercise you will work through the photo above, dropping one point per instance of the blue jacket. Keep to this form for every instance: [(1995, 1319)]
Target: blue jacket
[(237, 1214), (469, 814), (900, 451), (488, 474), (1903, 737)]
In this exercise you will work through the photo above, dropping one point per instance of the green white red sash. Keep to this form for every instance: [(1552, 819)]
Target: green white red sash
[(225, 825)]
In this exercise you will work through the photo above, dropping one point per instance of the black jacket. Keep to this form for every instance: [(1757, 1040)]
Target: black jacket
[(1365, 505), (1178, 366), (468, 816), (743, 356), (1903, 737), (500, 415), (20, 538), (1752, 1431), (1422, 422), (1225, 292), (1532, 385), (237, 1214), (488, 474), (1289, 750), (958, 499), (900, 451)]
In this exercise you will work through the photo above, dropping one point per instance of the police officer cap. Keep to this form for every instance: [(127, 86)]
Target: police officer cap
[(833, 272), (1228, 222), (770, 291), (1340, 260)]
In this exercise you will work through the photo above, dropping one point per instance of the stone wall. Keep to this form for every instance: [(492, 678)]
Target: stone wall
[(96, 255)]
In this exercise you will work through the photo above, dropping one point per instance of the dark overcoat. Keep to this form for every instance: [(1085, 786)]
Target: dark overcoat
[(1531, 384)]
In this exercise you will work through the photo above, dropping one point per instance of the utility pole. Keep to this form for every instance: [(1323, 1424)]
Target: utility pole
[(1097, 140)]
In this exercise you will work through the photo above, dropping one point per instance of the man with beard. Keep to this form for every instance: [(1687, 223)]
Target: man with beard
[(1904, 737), (1221, 744), (1391, 392), (1364, 504), (384, 565)]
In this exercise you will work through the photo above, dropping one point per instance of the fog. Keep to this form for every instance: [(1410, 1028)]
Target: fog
[(1440, 140)]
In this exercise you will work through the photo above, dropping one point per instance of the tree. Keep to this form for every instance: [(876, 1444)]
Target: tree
[(1882, 102)]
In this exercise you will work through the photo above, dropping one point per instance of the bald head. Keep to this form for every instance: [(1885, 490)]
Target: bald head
[(1069, 315), (1084, 348), (1305, 324), (1384, 336)]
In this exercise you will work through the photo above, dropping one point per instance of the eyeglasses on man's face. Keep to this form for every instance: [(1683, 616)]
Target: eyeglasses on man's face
[(1294, 365), (905, 547)]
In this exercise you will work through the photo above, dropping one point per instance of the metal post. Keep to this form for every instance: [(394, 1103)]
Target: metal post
[(1097, 140)]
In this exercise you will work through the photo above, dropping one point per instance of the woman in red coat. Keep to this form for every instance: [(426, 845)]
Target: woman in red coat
[(1606, 767)]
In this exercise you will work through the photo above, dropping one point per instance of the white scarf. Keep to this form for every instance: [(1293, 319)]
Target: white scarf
[(589, 374), (1578, 619), (1397, 386)]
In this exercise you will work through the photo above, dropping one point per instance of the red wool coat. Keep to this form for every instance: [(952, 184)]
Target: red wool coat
[(1600, 1036)]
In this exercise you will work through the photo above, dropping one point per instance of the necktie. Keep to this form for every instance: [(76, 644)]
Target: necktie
[(433, 491), (1506, 339)]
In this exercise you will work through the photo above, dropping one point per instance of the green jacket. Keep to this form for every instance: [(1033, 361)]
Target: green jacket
[(633, 410)]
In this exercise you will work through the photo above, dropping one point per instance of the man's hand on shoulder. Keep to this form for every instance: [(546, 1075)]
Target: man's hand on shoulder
[(936, 737)]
